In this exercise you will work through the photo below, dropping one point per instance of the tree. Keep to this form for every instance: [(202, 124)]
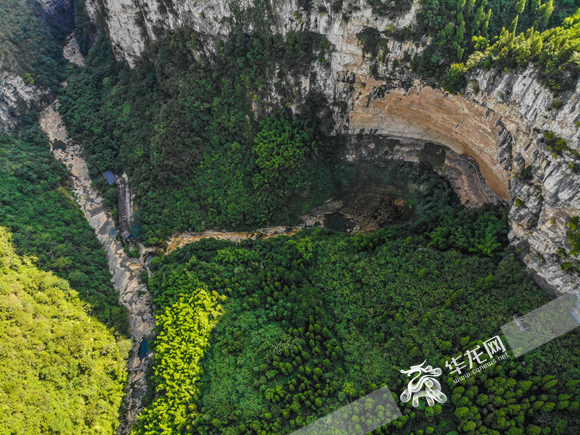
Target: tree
[(460, 34), (545, 12), (478, 19), (514, 25), (486, 21)]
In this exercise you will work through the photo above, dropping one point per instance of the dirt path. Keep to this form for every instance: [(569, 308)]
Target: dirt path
[(315, 218)]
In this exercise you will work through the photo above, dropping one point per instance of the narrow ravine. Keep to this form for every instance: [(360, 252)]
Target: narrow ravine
[(125, 271)]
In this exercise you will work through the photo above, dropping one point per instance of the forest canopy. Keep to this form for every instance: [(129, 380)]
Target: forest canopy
[(61, 371), (500, 34), (46, 222), (182, 125), (311, 322)]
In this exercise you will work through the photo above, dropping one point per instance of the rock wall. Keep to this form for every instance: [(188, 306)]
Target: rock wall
[(498, 122), (132, 24), (16, 95)]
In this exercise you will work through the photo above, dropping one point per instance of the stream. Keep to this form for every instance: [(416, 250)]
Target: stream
[(124, 270)]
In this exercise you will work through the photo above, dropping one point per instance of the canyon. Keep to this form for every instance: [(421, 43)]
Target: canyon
[(495, 126), (498, 122), (491, 132)]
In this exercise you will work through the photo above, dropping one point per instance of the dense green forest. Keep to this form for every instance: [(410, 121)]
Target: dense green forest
[(38, 208), (265, 336), (61, 371), (29, 47), (303, 325), (308, 323), (181, 124), (504, 34)]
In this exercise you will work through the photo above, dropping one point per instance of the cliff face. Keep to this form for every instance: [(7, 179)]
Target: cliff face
[(18, 94), (498, 122)]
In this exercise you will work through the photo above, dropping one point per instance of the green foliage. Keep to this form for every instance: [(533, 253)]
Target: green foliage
[(181, 125), (47, 224), (574, 235), (556, 104), (372, 41), (462, 30), (555, 144), (185, 329), (61, 371), (526, 174), (555, 52), (285, 151), (454, 79), (299, 337), (389, 8), (482, 231), (30, 46)]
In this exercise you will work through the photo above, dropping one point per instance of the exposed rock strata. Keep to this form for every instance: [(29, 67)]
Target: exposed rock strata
[(16, 95), (494, 123), (461, 170)]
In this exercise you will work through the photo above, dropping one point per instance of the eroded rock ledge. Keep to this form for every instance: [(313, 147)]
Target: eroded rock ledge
[(501, 128)]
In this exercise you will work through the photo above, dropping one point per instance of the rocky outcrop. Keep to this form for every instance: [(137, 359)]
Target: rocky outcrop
[(17, 96), (496, 125), (132, 24), (462, 171), (72, 51)]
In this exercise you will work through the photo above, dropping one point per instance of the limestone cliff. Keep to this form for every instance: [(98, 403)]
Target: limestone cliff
[(498, 122), (18, 93)]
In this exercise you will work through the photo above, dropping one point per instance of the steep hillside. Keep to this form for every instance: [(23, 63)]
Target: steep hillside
[(61, 370), (31, 63)]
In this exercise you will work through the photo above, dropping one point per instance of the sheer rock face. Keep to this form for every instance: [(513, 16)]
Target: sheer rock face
[(498, 122), (16, 95)]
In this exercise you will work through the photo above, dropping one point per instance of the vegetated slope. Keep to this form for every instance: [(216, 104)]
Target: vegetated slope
[(497, 33), (307, 323), (61, 371), (29, 47), (181, 124), (46, 223)]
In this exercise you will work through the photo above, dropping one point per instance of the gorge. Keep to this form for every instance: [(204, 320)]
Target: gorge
[(498, 121), (297, 177)]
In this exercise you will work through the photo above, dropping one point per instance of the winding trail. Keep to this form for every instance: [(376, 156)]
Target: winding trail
[(125, 271)]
